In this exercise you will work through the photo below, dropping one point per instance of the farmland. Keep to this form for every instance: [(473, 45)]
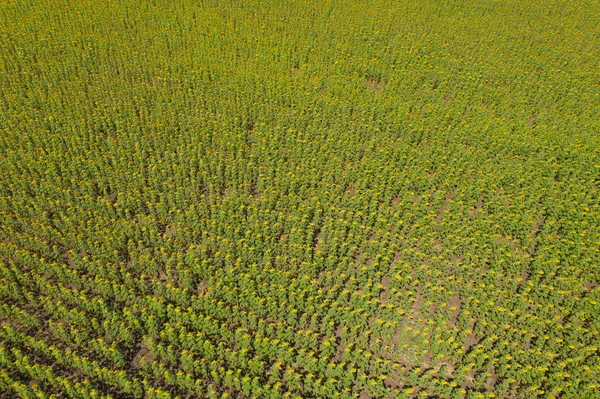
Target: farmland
[(301, 199)]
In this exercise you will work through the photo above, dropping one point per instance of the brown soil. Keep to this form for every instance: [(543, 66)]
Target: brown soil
[(470, 340), (375, 85), (455, 302)]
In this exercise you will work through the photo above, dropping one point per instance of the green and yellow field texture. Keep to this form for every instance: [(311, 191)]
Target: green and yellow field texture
[(303, 199)]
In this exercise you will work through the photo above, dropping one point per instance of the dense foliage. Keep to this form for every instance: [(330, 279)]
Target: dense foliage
[(304, 199)]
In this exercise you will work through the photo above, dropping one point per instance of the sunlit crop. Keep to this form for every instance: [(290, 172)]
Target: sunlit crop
[(303, 199)]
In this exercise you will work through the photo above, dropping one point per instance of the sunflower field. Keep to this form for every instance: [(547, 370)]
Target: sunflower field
[(299, 199)]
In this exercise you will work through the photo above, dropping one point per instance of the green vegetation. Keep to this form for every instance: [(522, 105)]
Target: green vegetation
[(304, 199)]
